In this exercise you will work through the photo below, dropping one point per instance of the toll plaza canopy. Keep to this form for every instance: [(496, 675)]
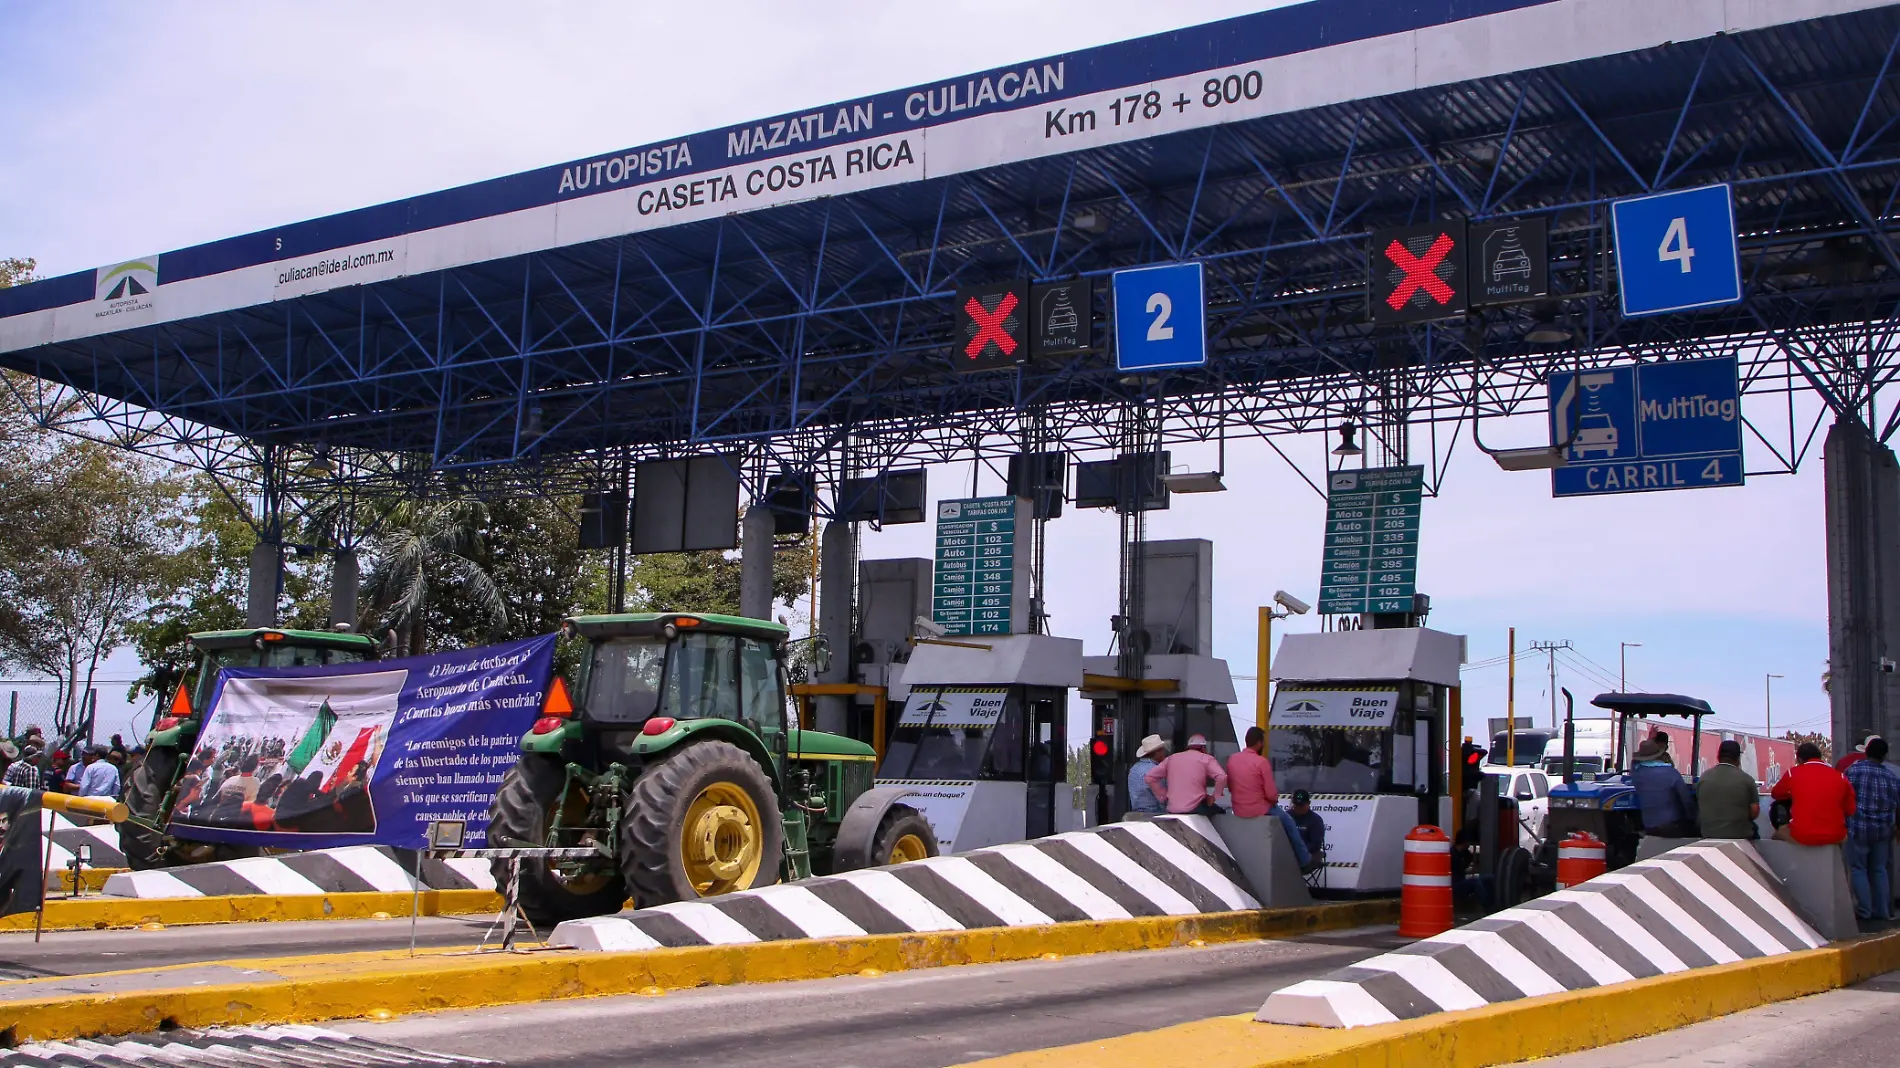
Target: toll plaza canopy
[(793, 279)]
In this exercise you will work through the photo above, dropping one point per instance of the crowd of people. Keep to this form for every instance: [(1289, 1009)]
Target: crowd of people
[(1187, 782), (88, 770), (264, 784), (1851, 804)]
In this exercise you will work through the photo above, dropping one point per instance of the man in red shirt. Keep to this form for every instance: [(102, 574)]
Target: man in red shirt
[(1859, 754), (1821, 797), (1250, 782)]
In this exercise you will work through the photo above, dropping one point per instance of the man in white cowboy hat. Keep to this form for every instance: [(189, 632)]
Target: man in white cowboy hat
[(1859, 754), (1140, 798)]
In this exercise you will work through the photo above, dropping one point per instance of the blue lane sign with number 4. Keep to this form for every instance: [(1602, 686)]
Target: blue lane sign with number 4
[(1160, 318), (1676, 251)]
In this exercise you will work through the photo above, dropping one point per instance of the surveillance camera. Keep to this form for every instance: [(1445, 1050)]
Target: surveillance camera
[(1291, 603), (927, 628), (1886, 665)]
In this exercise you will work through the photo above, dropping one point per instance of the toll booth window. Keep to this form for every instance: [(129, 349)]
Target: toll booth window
[(703, 682), (761, 704), (1330, 760), (1213, 723), (623, 679), (937, 753)]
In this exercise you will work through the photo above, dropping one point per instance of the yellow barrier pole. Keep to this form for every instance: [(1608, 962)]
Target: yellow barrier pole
[(1263, 664), (99, 808)]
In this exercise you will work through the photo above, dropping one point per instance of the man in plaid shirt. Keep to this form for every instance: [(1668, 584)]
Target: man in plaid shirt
[(1869, 844)]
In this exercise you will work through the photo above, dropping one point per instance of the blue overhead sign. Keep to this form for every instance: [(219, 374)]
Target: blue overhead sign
[(1160, 318), (1654, 426), (1676, 251)]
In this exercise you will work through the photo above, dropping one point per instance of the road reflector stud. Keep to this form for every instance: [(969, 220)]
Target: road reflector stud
[(151, 927), (380, 1015), (1425, 894), (871, 973), (652, 992), (379, 915), (1052, 956), (1198, 943)]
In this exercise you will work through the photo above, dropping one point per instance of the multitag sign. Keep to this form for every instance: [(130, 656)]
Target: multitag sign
[(1652, 426), (353, 754)]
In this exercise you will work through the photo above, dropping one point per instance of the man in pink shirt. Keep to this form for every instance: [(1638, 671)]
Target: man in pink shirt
[(1250, 779), (1180, 782)]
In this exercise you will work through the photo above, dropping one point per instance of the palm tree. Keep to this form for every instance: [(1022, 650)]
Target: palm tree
[(425, 548)]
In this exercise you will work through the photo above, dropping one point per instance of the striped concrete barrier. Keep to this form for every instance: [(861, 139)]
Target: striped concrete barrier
[(351, 869), (1713, 902), (67, 836), (1169, 866)]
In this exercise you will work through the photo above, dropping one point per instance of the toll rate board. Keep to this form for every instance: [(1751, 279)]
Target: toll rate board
[(974, 588), (1370, 562)]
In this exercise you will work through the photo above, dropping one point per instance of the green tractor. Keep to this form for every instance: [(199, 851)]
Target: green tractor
[(678, 767), (152, 787)]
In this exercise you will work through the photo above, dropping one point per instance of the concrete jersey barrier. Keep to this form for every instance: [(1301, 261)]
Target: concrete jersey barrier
[(351, 869), (1169, 866), (1712, 902), (68, 836)]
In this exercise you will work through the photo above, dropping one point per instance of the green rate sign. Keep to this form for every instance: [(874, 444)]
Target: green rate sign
[(1370, 562), (974, 585)]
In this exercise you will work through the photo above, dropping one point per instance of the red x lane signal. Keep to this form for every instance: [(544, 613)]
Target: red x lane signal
[(1418, 272), (991, 327)]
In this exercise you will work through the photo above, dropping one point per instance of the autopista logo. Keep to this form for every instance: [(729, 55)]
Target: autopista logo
[(127, 281)]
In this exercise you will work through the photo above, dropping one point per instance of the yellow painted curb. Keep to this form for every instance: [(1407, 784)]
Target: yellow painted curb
[(298, 990), (1546, 1026), (99, 913)]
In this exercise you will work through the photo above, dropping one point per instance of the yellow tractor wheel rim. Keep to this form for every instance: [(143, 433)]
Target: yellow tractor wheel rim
[(721, 840), (906, 849)]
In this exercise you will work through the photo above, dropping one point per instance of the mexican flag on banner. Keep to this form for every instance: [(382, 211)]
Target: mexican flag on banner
[(313, 739), (339, 759)]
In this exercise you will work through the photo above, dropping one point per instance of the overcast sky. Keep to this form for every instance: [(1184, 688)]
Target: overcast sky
[(132, 129)]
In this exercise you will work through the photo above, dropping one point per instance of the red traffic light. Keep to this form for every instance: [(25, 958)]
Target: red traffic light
[(1099, 747)]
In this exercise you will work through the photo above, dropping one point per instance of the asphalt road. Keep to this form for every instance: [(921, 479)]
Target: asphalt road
[(920, 1019), (1854, 1026), (78, 952)]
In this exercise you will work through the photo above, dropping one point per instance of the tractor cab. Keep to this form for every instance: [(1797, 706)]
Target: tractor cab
[(1605, 805), (672, 771), (152, 786), (178, 721)]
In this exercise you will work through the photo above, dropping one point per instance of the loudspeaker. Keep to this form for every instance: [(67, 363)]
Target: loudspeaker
[(603, 519)]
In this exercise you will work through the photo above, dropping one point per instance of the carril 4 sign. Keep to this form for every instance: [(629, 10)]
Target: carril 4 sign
[(1653, 426)]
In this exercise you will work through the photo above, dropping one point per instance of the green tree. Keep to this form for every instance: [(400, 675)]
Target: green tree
[(90, 530), (426, 552), (709, 581)]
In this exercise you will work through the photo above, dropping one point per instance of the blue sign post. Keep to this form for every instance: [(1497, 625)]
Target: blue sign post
[(1160, 318), (1676, 251), (1653, 426)]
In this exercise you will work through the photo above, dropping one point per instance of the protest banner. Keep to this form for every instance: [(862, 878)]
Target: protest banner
[(353, 754)]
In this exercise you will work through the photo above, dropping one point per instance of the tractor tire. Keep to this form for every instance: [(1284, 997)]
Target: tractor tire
[(700, 823), (521, 812), (904, 836), (146, 849)]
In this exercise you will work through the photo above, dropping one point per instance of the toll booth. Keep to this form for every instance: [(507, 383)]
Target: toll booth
[(1365, 721), (1178, 696), (980, 732)]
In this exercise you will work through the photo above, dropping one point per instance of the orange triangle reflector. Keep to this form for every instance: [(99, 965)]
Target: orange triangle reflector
[(558, 702), (181, 702)]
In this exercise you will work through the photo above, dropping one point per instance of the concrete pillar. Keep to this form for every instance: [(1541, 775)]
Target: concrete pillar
[(834, 621), (755, 562), (345, 577), (267, 564), (1863, 585)]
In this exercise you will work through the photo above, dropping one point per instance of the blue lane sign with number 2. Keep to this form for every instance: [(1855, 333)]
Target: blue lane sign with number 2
[(1160, 318), (1676, 251)]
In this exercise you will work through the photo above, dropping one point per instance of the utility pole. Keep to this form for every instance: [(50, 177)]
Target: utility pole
[(1623, 665), (1549, 649), (1768, 703)]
